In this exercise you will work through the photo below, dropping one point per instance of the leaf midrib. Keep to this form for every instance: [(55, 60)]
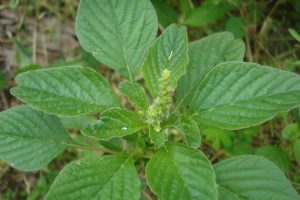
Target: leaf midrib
[(179, 174), (61, 96), (241, 102), (121, 42), (196, 86), (43, 140), (108, 181)]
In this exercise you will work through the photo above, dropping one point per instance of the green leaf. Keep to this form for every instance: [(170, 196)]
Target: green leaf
[(291, 132), (181, 173), (296, 148), (27, 68), (115, 122), (252, 178), (184, 6), (295, 34), (118, 33), (168, 52), (158, 138), (218, 136), (207, 13), (64, 63), (165, 13), (115, 144), (235, 25), (206, 53), (135, 93), (277, 155), (241, 142), (12, 4), (78, 121), (237, 95), (23, 53), (189, 128), (108, 177), (87, 59), (30, 139), (67, 91)]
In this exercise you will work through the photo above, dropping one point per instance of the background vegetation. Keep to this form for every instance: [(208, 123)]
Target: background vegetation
[(35, 34)]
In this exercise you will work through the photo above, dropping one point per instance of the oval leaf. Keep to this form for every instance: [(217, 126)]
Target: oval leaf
[(186, 174), (115, 122), (252, 178), (168, 52), (118, 33), (30, 139), (237, 95), (102, 178), (68, 90), (206, 53)]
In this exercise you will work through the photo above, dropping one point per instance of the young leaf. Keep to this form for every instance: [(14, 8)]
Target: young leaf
[(135, 93), (181, 173), (67, 91), (191, 131), (236, 95), (115, 122), (108, 177), (168, 52), (252, 178), (158, 138), (277, 155), (118, 33), (30, 139), (206, 53)]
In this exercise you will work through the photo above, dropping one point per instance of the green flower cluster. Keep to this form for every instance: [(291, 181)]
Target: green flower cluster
[(159, 110)]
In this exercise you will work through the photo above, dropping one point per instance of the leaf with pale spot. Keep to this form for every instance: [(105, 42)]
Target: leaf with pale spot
[(114, 122), (168, 52)]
